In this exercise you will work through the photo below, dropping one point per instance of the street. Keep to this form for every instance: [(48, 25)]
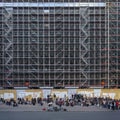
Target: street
[(111, 115)]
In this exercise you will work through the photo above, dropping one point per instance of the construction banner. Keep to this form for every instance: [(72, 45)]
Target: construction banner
[(29, 94), (59, 93), (8, 94), (86, 92)]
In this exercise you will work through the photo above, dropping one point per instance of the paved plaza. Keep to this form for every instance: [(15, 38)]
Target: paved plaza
[(30, 112), (38, 107)]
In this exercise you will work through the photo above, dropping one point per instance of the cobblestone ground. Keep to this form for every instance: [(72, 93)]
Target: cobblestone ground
[(37, 107)]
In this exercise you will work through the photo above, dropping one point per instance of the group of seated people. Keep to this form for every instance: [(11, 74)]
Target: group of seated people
[(9, 102), (75, 99)]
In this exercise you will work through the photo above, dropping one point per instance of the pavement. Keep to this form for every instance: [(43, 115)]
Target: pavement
[(30, 112), (60, 115), (38, 107)]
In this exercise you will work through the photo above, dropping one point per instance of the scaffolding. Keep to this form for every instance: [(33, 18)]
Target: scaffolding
[(113, 8), (68, 43), (8, 44)]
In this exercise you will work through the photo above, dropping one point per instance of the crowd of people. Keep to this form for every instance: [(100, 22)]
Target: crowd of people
[(76, 99), (81, 100)]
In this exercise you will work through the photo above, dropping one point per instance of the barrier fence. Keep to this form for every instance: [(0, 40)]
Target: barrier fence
[(60, 93)]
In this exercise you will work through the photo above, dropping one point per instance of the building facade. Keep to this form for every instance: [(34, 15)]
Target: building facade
[(70, 43)]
